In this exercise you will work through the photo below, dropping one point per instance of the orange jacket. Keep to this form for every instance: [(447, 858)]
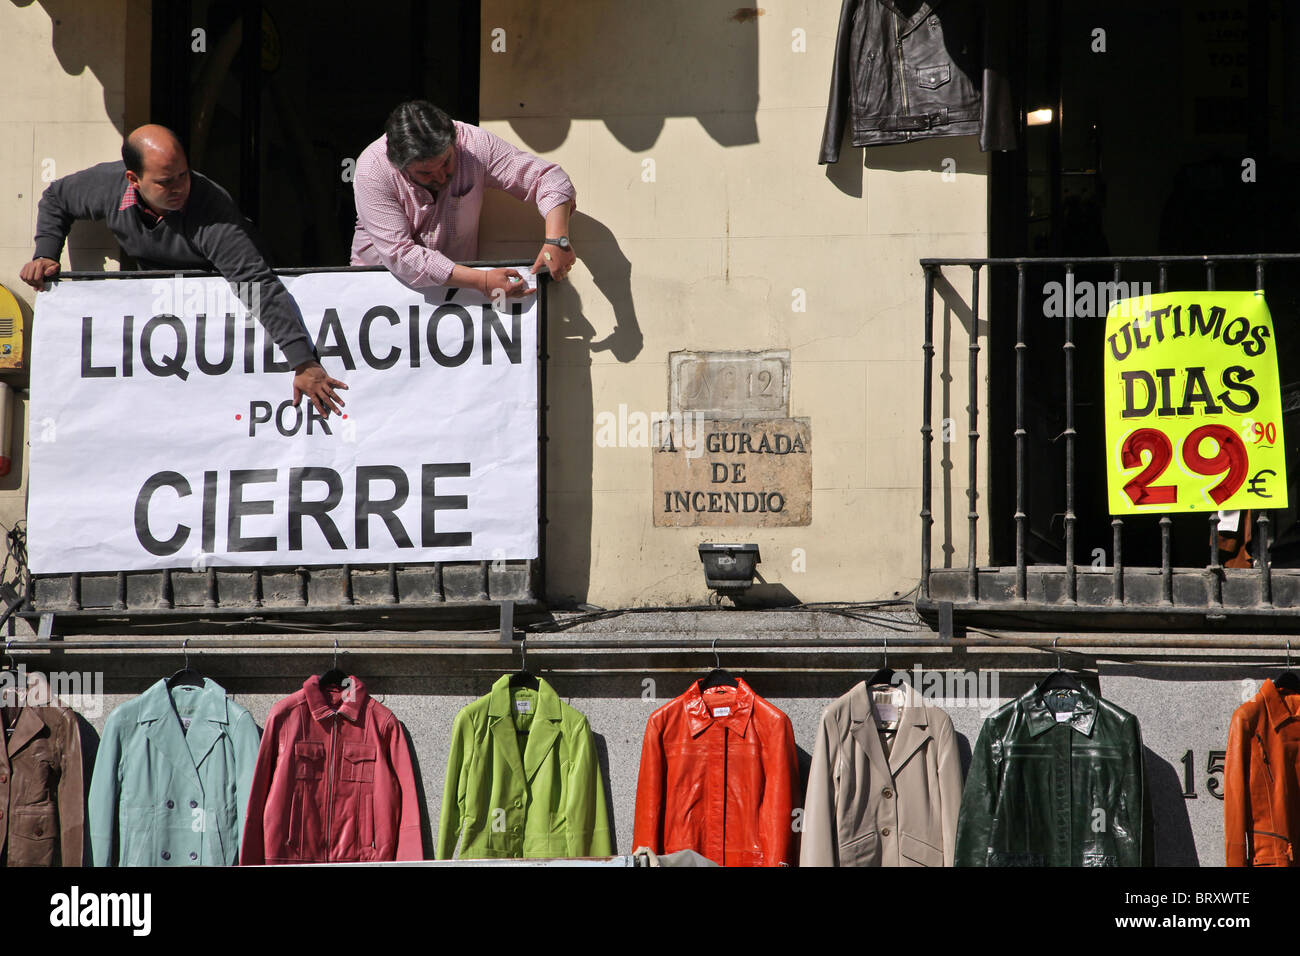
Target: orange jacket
[(1261, 792), (719, 773)]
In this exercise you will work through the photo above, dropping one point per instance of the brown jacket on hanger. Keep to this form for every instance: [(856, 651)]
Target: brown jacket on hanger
[(866, 807), (42, 803), (1261, 792)]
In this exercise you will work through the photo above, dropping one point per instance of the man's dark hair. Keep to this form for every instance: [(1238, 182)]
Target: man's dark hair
[(133, 158), (417, 130)]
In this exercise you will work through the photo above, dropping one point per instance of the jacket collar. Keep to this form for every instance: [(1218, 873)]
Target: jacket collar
[(911, 731), (1039, 719), (1278, 711), (27, 726), (916, 17), (700, 717), (350, 704), (186, 750), (542, 732)]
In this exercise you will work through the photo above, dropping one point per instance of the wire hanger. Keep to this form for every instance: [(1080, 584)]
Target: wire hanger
[(885, 675), (186, 676), (717, 677), (524, 677), (1287, 680), (333, 676), (1059, 679)]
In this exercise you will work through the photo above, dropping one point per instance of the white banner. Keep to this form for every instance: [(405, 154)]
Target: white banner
[(163, 432)]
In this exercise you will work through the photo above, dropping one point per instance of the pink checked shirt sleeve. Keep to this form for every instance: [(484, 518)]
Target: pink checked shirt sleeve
[(420, 236), (527, 177)]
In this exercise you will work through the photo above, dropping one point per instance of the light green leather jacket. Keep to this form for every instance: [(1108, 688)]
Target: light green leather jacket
[(523, 780)]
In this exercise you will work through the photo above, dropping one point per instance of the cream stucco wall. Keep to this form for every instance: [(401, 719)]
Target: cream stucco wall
[(691, 130), (73, 78), (709, 252)]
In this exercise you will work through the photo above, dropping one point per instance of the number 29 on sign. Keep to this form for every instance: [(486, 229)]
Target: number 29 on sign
[(1230, 462)]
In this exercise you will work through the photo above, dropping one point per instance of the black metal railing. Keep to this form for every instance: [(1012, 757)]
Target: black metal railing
[(1045, 578)]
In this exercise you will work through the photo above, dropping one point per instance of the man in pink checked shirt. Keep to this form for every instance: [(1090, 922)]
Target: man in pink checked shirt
[(419, 190)]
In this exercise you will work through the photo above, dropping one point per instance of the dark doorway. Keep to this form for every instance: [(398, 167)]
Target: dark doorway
[(1173, 131), (281, 131)]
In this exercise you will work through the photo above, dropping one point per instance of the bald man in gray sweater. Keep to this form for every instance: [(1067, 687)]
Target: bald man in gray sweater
[(167, 217)]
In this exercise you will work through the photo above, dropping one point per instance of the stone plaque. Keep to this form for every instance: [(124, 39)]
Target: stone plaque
[(730, 384), (733, 474)]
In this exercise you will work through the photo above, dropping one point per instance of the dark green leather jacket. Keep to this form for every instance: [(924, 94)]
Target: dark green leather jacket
[(1057, 779)]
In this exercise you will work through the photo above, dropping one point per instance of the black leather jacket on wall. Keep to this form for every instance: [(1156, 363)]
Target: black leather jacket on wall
[(1049, 792), (907, 70)]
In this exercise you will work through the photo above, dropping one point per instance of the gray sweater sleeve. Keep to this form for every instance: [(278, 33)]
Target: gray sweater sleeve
[(221, 235), (77, 196)]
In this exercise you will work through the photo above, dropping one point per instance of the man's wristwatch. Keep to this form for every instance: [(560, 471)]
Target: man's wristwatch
[(561, 241)]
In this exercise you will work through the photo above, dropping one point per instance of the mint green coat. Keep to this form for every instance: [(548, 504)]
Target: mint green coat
[(523, 780), (165, 796)]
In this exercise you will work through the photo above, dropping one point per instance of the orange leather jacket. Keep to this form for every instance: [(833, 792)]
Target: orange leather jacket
[(1261, 792), (719, 773)]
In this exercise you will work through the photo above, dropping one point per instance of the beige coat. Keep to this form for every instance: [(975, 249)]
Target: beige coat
[(866, 809)]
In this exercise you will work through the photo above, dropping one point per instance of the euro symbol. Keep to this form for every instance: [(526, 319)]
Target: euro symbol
[(1256, 478)]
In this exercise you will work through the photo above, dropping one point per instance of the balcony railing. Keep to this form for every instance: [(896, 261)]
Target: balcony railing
[(1041, 548)]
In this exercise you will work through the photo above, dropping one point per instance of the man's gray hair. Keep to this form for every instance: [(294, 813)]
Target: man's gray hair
[(417, 130)]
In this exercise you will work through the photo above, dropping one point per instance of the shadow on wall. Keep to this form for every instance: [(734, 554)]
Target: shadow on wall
[(955, 306), (942, 155), (631, 66), (78, 32), (1175, 844), (602, 760), (77, 40), (571, 342)]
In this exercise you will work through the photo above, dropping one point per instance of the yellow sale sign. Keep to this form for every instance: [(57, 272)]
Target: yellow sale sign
[(1193, 408)]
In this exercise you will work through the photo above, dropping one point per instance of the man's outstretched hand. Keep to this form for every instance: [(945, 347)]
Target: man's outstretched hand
[(559, 262), (311, 379), (37, 271)]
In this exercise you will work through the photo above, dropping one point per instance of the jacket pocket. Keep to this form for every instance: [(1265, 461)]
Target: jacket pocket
[(933, 77), (366, 827), (1099, 858), (36, 776), (358, 763), (32, 836), (918, 851), (308, 760), (136, 837), (861, 851)]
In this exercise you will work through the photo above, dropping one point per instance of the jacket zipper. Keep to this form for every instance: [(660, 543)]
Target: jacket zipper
[(902, 70), (1289, 854), (329, 790), (1268, 769), (724, 794)]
